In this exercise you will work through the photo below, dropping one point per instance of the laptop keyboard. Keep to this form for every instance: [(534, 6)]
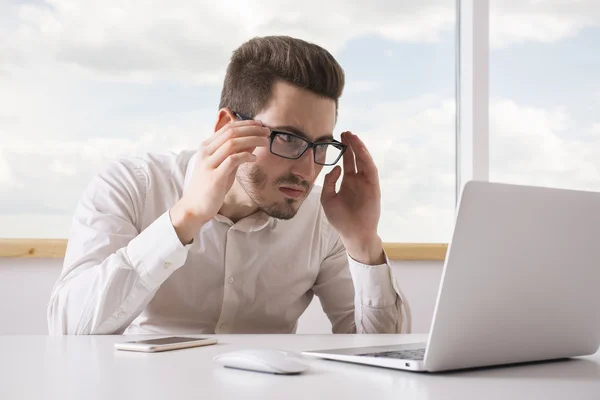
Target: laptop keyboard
[(413, 354)]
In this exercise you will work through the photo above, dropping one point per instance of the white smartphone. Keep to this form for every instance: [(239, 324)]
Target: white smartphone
[(164, 344)]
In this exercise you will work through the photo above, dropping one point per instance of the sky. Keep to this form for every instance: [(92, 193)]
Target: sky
[(84, 82)]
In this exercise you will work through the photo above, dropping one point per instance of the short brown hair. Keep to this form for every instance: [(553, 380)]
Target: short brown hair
[(257, 64)]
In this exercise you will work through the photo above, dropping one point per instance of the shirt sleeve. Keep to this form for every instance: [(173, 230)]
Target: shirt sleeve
[(111, 271), (358, 298)]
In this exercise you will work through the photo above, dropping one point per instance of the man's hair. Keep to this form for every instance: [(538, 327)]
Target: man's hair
[(260, 62)]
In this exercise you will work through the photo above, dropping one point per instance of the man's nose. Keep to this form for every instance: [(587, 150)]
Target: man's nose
[(304, 167)]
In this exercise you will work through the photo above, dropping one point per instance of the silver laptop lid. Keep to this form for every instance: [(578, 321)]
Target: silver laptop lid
[(521, 279)]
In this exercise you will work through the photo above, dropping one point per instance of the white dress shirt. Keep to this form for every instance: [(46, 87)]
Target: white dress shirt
[(125, 270)]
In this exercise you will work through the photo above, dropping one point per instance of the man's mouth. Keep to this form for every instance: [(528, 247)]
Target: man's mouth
[(293, 192)]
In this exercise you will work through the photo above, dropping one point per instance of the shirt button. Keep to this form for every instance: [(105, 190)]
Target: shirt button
[(230, 280), (121, 314), (167, 264)]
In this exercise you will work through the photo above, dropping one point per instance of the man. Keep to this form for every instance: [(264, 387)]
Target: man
[(233, 237)]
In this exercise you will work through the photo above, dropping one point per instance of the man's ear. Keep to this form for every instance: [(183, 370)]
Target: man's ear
[(224, 117)]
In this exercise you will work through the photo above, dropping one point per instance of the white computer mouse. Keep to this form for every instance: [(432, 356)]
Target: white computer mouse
[(263, 360)]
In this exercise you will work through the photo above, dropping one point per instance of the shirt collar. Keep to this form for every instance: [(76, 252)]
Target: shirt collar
[(252, 223)]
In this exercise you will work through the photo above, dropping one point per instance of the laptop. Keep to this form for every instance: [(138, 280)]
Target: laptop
[(521, 283)]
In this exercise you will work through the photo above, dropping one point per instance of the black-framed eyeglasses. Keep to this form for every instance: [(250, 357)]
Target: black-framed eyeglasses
[(292, 146)]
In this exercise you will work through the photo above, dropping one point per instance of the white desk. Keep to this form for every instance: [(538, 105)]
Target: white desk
[(87, 367)]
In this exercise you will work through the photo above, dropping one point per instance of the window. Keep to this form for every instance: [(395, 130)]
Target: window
[(83, 83), (545, 93)]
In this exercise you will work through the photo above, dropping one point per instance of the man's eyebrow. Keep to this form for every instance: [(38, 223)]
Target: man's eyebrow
[(292, 129)]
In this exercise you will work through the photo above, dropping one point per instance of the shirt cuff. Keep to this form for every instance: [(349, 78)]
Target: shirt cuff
[(157, 252), (373, 283)]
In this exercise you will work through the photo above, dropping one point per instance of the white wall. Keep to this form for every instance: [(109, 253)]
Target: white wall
[(25, 286)]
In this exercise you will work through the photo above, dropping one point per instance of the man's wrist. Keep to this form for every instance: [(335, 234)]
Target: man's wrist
[(186, 224), (366, 251)]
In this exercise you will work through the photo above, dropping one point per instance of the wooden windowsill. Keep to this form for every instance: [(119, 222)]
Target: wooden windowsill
[(55, 248)]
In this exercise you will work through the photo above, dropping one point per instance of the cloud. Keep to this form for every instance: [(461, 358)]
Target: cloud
[(521, 21), (55, 55), (356, 87), (192, 40), (412, 142), (413, 147), (7, 178), (34, 225), (42, 179), (537, 146)]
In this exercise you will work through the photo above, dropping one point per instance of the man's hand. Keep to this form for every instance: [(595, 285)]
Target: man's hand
[(354, 211), (217, 161)]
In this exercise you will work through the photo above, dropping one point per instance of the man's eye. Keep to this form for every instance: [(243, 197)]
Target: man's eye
[(286, 138)]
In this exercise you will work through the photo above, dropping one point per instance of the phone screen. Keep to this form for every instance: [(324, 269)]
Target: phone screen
[(169, 340)]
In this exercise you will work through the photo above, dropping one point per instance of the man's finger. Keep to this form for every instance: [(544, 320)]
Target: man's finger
[(364, 162), (349, 163), (236, 132), (249, 122), (234, 129), (237, 145), (234, 161), (329, 182)]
